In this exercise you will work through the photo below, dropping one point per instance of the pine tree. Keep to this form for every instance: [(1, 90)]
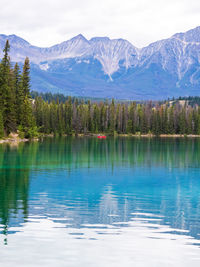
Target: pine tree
[(124, 118), (132, 124), (1, 126), (171, 121), (7, 96), (60, 119), (19, 93), (54, 117), (96, 118), (112, 117), (28, 121), (89, 116), (165, 122), (118, 118), (16, 78), (182, 122), (26, 77), (129, 126), (156, 122), (198, 121), (143, 121), (68, 115), (46, 117)]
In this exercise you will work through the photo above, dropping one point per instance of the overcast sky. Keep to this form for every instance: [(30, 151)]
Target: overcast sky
[(48, 22)]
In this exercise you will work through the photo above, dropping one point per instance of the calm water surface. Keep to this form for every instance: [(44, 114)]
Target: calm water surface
[(88, 202)]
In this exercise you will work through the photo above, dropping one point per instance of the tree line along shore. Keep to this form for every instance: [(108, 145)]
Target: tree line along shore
[(113, 118), (23, 117)]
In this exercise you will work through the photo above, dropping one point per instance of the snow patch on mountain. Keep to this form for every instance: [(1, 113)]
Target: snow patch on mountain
[(44, 66), (110, 52)]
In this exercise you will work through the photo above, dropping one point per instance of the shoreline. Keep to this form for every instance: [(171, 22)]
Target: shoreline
[(161, 135), (143, 135), (13, 140), (17, 140)]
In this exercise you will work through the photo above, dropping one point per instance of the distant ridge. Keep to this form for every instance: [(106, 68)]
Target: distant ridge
[(104, 67)]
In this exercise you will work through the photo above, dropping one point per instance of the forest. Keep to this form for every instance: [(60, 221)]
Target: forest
[(115, 118), (33, 114)]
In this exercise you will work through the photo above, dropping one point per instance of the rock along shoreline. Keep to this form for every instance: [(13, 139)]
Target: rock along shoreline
[(14, 139)]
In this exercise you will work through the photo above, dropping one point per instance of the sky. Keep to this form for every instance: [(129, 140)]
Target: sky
[(48, 22)]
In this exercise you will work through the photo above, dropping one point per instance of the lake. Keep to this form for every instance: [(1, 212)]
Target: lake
[(88, 202)]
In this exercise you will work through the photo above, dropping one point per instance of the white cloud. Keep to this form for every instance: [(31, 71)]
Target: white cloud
[(47, 22)]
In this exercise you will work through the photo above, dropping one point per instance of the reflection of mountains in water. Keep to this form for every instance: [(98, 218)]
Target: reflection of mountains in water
[(90, 152), (93, 195)]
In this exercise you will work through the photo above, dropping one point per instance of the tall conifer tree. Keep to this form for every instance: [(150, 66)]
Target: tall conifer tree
[(26, 77), (27, 120), (19, 93), (1, 125), (7, 96)]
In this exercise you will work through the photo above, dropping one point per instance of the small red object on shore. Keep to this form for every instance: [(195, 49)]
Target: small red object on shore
[(101, 136)]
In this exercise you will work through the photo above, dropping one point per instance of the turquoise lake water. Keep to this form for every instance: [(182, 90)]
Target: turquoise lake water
[(89, 202)]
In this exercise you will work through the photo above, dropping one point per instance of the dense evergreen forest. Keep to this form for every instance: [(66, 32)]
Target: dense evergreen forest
[(103, 117), (33, 113), (63, 98)]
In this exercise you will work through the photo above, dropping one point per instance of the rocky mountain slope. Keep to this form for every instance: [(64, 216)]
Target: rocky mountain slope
[(102, 67)]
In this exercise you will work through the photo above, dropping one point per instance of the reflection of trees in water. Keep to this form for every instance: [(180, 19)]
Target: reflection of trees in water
[(91, 152), (14, 185)]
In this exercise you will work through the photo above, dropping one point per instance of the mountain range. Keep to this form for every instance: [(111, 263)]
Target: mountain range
[(104, 67)]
